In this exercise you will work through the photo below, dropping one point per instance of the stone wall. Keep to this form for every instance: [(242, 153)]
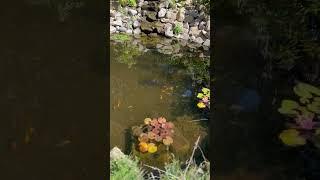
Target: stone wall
[(185, 20)]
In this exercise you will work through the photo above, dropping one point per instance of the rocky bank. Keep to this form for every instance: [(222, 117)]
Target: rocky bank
[(183, 20)]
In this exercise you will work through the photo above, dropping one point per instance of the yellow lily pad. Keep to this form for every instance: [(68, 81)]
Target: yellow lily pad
[(291, 137), (152, 148), (201, 105)]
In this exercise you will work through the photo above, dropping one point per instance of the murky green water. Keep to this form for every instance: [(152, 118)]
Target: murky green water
[(146, 85)]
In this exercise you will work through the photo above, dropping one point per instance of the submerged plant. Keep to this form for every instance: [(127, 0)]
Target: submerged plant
[(304, 116), (204, 97), (154, 132)]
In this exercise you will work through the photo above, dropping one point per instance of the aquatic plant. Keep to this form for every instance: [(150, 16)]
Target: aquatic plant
[(204, 97), (154, 132), (304, 116), (127, 53), (131, 3)]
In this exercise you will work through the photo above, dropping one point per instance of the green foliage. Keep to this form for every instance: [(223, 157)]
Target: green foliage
[(127, 53), (177, 28), (198, 69), (194, 172), (131, 3), (120, 37), (305, 114), (287, 29), (125, 168)]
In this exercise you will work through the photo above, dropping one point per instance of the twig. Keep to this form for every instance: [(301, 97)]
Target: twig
[(203, 156), (160, 170), (189, 162)]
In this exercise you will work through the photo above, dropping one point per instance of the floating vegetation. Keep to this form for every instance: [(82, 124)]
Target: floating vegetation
[(304, 116), (154, 132), (204, 97)]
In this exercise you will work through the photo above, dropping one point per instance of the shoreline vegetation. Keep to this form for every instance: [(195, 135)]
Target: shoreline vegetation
[(128, 167)]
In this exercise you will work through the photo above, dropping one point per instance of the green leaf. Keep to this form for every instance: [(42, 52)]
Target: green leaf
[(200, 95), (304, 100), (305, 112), (314, 107), (291, 137), (306, 90), (289, 107)]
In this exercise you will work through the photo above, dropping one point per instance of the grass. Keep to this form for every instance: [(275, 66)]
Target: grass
[(125, 168), (177, 28)]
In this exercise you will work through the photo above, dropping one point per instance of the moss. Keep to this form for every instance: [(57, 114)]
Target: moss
[(131, 3), (121, 37)]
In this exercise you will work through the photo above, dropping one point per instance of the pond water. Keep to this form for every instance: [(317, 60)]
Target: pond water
[(145, 84)]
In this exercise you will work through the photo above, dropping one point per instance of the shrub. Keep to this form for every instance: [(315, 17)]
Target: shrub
[(125, 168)]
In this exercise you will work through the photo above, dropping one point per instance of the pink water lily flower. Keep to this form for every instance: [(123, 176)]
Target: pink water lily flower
[(306, 122), (205, 99)]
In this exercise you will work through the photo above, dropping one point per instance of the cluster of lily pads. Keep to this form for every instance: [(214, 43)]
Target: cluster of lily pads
[(153, 133), (204, 97), (304, 116)]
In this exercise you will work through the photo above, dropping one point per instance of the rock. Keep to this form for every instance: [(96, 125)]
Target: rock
[(116, 153), (146, 27), (208, 26), (186, 26), (205, 34), (117, 23), (139, 9), (151, 6), (202, 25), (198, 40), (129, 31), (194, 13), (123, 29), (151, 16), (194, 31), (112, 13), (180, 15), (136, 24), (188, 2), (132, 12), (153, 35), (162, 13), (168, 30), (192, 38), (159, 27), (164, 20), (112, 29), (207, 42), (137, 31), (189, 19), (172, 15), (185, 36)]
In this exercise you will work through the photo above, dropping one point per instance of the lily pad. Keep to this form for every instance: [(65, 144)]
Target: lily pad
[(289, 107), (291, 137)]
